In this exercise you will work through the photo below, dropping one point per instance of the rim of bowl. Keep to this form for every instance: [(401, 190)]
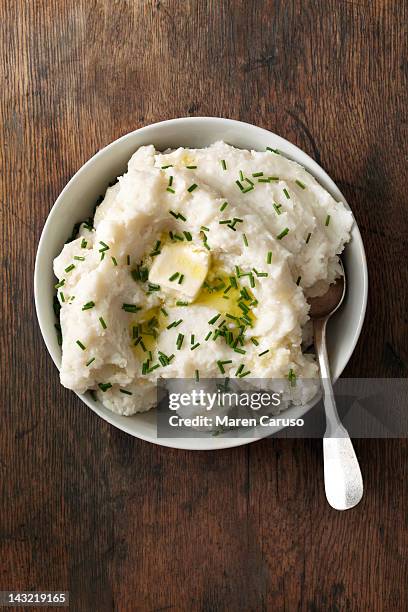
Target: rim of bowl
[(191, 443)]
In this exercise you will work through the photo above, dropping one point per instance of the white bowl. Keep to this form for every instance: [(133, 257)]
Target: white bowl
[(77, 200)]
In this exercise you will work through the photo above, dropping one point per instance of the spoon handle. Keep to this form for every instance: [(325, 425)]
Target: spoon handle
[(343, 481)]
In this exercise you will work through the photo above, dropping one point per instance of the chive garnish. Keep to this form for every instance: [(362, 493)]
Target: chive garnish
[(223, 206), (308, 237), (277, 208), (104, 386), (263, 353), (130, 307), (197, 375), (128, 260), (105, 247), (188, 236), (125, 391), (327, 220), (152, 287), (254, 341), (180, 340), (208, 336), (180, 280), (241, 175), (239, 185), (223, 164), (102, 254), (286, 192), (88, 363), (84, 243), (171, 178), (238, 350), (263, 180), (302, 185), (283, 233), (298, 280), (214, 319), (79, 258), (102, 322), (195, 346), (244, 374), (180, 303), (168, 166), (257, 174), (174, 324), (233, 282), (274, 178), (245, 239), (225, 221), (174, 276), (292, 377), (239, 370), (221, 365), (82, 346), (164, 312), (115, 263), (191, 167), (69, 268), (62, 297), (192, 187), (276, 151), (170, 190), (60, 284), (88, 305), (269, 257)]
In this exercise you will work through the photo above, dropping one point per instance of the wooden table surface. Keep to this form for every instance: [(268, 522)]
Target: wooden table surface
[(127, 525)]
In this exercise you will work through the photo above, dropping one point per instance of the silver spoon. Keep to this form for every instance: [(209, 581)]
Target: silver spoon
[(343, 482)]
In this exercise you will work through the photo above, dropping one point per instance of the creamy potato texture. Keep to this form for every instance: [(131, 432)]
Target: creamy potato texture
[(198, 265)]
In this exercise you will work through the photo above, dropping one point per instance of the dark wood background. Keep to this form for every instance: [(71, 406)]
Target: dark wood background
[(126, 525)]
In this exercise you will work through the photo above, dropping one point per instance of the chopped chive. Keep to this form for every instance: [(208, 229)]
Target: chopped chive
[(125, 391), (181, 303), (115, 263), (327, 220), (128, 260), (79, 258), (239, 185), (152, 287), (276, 151), (277, 208), (252, 280), (263, 180), (269, 257), (223, 164), (238, 350), (283, 233), (168, 166), (256, 174), (308, 237), (84, 243), (62, 297), (233, 282), (192, 338), (274, 178), (130, 307), (263, 353), (164, 312), (225, 221), (71, 267), (245, 239), (174, 276), (208, 336), (250, 188), (286, 192), (214, 319), (227, 289), (88, 305), (188, 236), (192, 187), (102, 322), (241, 175), (244, 374), (174, 324), (204, 229), (88, 363), (180, 340), (298, 280), (254, 341), (239, 370), (170, 190), (171, 178), (292, 377), (82, 346), (105, 247), (195, 346), (191, 167), (104, 386), (302, 185), (223, 206), (60, 284), (180, 280), (197, 375)]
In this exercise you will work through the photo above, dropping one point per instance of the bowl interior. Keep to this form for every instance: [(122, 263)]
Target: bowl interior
[(77, 200)]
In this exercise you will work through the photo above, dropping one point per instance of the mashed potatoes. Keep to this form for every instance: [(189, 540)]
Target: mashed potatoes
[(197, 266)]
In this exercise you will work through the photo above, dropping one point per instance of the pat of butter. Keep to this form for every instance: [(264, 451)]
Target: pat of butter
[(186, 264)]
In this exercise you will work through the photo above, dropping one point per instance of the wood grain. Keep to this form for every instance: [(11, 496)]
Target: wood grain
[(125, 525)]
